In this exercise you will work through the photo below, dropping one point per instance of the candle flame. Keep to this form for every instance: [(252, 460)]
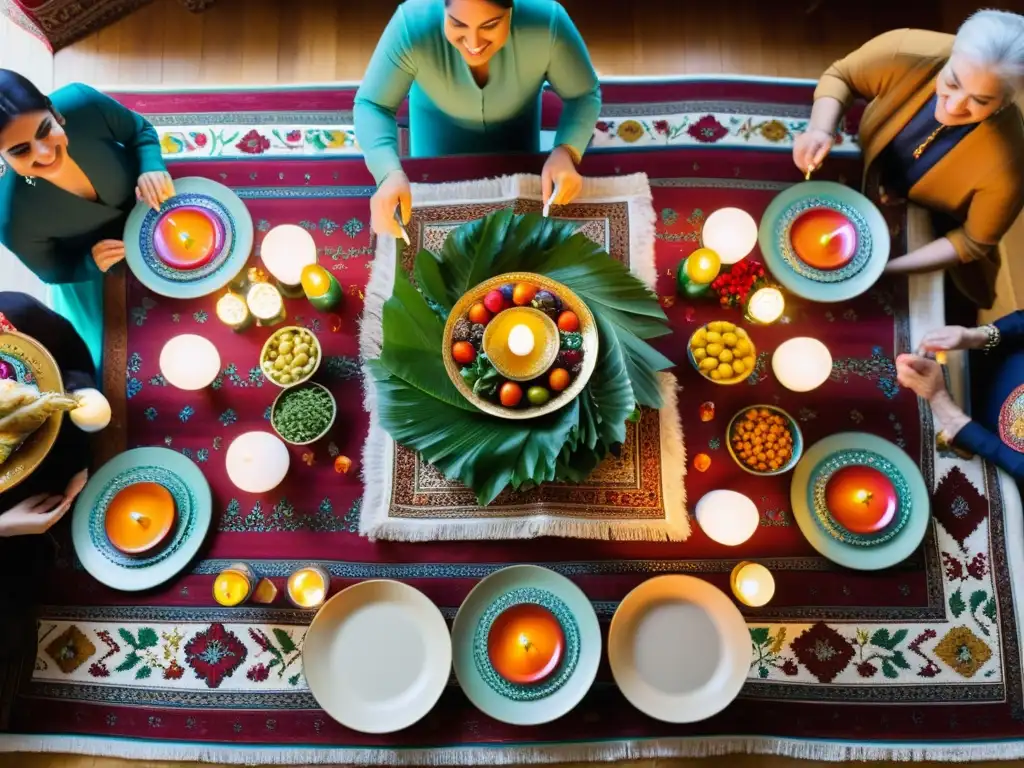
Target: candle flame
[(140, 518), (749, 587), (863, 497), (525, 642)]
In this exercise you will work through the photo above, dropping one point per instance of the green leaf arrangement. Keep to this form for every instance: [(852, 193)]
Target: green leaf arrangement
[(420, 407)]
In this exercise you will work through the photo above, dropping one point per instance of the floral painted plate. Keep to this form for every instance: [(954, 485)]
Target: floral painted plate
[(193, 501), (30, 363), (867, 260), (911, 519), (194, 245), (544, 699)]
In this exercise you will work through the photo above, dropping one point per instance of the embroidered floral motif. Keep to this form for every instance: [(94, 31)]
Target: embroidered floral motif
[(878, 650), (328, 227), (342, 367), (714, 443), (99, 667), (150, 413), (964, 651), (350, 522), (186, 413), (202, 455), (283, 651), (200, 316), (71, 649), (958, 506), (708, 130), (283, 517), (768, 649), (1011, 420), (133, 387), (214, 654), (823, 651), (158, 381), (979, 599), (134, 362), (263, 225), (228, 418), (253, 143), (878, 368)]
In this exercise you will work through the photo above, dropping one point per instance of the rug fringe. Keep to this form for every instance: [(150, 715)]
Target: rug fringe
[(673, 454)]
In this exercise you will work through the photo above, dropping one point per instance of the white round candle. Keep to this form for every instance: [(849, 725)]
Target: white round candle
[(731, 232), (727, 517), (520, 340), (753, 584), (766, 305), (189, 362), (93, 411), (257, 462), (802, 364), (285, 251)]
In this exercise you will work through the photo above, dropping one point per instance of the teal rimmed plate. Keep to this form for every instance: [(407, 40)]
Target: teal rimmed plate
[(192, 499), (822, 459), (230, 252), (526, 704), (853, 279)]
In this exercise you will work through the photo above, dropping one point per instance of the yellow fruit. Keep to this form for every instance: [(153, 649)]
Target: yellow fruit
[(699, 354), (742, 347), (728, 327), (738, 367), (716, 375), (741, 333), (708, 364), (714, 349), (748, 362), (714, 337), (725, 371), (716, 326), (729, 339), (700, 338), (725, 356)]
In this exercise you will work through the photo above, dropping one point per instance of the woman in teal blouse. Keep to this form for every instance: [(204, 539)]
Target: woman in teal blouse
[(474, 71), (73, 165)]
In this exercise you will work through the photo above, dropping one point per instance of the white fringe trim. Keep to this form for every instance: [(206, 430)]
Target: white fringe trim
[(692, 747)]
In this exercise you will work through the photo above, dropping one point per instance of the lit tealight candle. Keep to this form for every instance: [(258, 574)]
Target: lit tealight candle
[(257, 462), (285, 251), (520, 340), (233, 312), (189, 362), (766, 305), (753, 584), (140, 518), (266, 304), (802, 364), (234, 585), (525, 644), (307, 587)]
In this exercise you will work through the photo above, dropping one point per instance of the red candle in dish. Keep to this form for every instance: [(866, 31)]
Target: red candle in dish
[(824, 239), (187, 238), (525, 644), (861, 499)]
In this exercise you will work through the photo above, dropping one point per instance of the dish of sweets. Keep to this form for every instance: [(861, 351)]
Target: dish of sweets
[(764, 440), (722, 352), (520, 345), (290, 356)]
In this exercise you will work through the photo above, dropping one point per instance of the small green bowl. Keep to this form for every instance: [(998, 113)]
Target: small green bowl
[(290, 391), (794, 428), (266, 350)]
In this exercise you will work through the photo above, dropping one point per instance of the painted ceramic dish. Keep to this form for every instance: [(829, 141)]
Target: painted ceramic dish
[(520, 345), (824, 241), (722, 352), (190, 492), (860, 500), (679, 649), (140, 518), (764, 440), (194, 245), (377, 656), (526, 645), (290, 356), (27, 361)]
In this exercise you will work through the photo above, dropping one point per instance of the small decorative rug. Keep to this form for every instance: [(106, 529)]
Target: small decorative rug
[(638, 494)]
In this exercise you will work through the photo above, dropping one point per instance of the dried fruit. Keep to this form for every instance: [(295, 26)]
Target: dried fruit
[(265, 592), (476, 335), (567, 358), (462, 330), (701, 462)]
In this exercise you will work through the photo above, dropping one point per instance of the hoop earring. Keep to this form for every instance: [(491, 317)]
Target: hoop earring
[(30, 180)]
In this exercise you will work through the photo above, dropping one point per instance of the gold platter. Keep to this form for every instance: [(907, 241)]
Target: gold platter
[(24, 461), (570, 301)]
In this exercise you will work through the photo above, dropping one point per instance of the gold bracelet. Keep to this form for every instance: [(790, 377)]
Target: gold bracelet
[(994, 337)]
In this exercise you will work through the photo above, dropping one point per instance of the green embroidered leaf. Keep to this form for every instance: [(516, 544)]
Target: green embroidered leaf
[(977, 598), (147, 639), (760, 635), (143, 672), (129, 661), (294, 679), (899, 637), (956, 604), (284, 640), (762, 672), (881, 638), (275, 662), (900, 660), (889, 670), (990, 609), (127, 636)]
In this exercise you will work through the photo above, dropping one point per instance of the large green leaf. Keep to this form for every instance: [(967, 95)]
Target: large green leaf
[(430, 279)]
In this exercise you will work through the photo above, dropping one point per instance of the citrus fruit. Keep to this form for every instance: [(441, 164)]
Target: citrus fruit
[(558, 379), (510, 394), (568, 322), (537, 395), (463, 353), (523, 293), (478, 314)]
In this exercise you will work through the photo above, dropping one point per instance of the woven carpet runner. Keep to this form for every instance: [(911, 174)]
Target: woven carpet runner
[(921, 660)]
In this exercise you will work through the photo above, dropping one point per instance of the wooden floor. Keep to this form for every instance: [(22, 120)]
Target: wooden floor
[(266, 41)]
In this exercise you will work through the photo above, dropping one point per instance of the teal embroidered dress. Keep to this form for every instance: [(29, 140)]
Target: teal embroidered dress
[(53, 231), (449, 113)]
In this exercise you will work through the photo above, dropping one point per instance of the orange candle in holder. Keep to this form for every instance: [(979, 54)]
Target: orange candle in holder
[(861, 499), (140, 518), (526, 644), (307, 587), (187, 238), (824, 239)]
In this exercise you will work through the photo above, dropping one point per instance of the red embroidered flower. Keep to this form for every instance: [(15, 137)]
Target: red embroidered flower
[(293, 136), (98, 670), (823, 651), (602, 126), (215, 654), (789, 667), (174, 672), (253, 143), (978, 567), (258, 674), (661, 126), (707, 130), (200, 139), (866, 669)]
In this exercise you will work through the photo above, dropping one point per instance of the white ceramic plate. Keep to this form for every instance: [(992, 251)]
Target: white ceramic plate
[(679, 649), (377, 656)]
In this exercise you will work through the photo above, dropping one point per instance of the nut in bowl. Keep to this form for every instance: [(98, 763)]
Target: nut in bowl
[(290, 356), (520, 345), (722, 352), (304, 413), (764, 440)]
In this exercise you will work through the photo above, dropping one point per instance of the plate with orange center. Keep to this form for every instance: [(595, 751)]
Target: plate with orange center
[(195, 244)]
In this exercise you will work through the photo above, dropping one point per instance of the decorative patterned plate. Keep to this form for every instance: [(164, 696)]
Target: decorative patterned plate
[(377, 656), (32, 364), (852, 277), (679, 649), (194, 245), (549, 698), (570, 301), (192, 498), (909, 524)]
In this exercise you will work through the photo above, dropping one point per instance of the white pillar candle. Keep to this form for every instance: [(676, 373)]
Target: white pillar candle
[(520, 340), (93, 411), (189, 362), (802, 364), (285, 251), (731, 232), (257, 462), (727, 517), (753, 584)]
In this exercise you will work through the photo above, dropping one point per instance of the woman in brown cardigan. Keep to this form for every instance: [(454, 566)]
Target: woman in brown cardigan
[(941, 129)]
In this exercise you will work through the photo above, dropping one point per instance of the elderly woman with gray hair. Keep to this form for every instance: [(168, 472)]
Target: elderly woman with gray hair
[(942, 130)]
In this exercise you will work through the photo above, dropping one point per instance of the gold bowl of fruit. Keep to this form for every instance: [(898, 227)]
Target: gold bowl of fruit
[(722, 352), (764, 440), (520, 345)]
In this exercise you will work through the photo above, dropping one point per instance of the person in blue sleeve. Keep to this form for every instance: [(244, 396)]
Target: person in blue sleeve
[(73, 164), (474, 71), (996, 432)]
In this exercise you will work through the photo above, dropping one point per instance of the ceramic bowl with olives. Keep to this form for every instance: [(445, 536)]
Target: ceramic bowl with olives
[(290, 356)]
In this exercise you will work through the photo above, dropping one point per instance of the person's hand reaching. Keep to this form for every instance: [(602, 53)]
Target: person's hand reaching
[(37, 514), (394, 192)]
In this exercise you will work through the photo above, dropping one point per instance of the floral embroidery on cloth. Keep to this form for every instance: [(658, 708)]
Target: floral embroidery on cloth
[(5, 324), (1011, 420)]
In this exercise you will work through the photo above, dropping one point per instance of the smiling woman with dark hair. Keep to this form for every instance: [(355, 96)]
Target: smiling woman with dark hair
[(73, 164), (474, 71)]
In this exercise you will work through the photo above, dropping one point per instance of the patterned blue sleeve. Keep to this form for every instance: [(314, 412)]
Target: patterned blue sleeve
[(979, 441)]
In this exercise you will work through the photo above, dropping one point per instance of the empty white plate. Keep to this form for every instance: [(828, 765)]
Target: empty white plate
[(377, 656), (679, 649)]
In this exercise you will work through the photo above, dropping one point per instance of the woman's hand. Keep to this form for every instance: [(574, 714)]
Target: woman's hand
[(106, 253), (953, 337), (560, 173), (921, 375), (395, 191), (39, 513), (811, 148), (154, 187)]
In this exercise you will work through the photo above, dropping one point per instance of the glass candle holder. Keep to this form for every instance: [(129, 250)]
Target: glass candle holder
[(308, 587), (233, 312), (752, 584), (234, 585), (765, 305)]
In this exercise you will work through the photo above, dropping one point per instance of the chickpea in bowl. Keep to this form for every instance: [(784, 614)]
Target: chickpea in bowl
[(290, 356)]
